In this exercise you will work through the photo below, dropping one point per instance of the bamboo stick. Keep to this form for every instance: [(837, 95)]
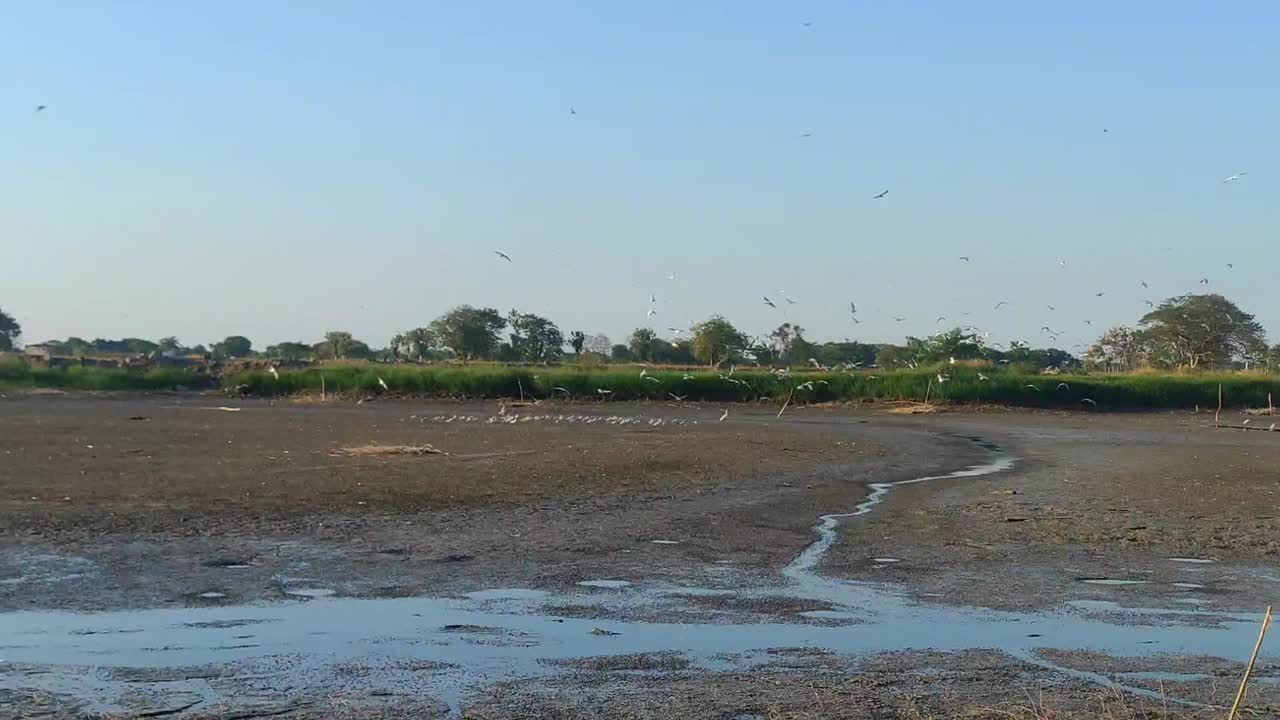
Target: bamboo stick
[(1244, 681)]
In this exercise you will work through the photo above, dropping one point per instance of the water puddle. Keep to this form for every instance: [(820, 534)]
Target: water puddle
[(1112, 581), (1187, 585), (448, 647), (885, 560), (609, 584)]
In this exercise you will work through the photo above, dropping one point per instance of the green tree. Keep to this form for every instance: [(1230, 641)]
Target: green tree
[(469, 332), (621, 353), (892, 357), (413, 343), (1196, 331), (716, 340), (598, 343), (1120, 348), (289, 351), (10, 331), (641, 344), (534, 338), (169, 344), (337, 345), (577, 339), (234, 346)]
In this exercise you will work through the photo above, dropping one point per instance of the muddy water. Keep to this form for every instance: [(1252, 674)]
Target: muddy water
[(208, 658)]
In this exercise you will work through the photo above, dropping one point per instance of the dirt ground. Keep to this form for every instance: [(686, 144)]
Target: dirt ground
[(162, 493)]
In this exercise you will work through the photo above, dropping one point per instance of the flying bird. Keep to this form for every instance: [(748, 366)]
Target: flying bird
[(983, 377), (853, 309), (604, 392), (272, 369), (671, 276), (1089, 401), (1236, 176), (943, 378), (1000, 304), (806, 135), (1204, 281), (1063, 386), (1062, 263), (964, 258), (1144, 283), (877, 197), (898, 318), (1051, 307), (1149, 303), (573, 110), (383, 383), (651, 313), (725, 415), (653, 379), (1229, 266), (1098, 294), (769, 302), (789, 300), (677, 398), (653, 298), (502, 255), (40, 108), (940, 319), (1033, 387)]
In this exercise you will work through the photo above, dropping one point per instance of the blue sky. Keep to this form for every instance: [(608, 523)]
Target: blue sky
[(286, 168)]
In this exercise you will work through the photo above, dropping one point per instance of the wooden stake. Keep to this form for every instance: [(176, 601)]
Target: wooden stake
[(1219, 410), (322, 387), (1244, 681), (1269, 406), (927, 388), (521, 386), (787, 402)]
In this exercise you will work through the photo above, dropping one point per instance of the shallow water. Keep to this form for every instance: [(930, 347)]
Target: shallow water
[(470, 642)]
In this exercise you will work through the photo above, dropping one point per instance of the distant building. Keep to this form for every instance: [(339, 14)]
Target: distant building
[(39, 352)]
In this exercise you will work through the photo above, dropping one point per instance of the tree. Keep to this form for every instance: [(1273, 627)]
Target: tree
[(894, 356), (641, 344), (78, 346), (169, 344), (1202, 330), (413, 343), (598, 343), (234, 346), (10, 331), (621, 353), (468, 331), (534, 338), (852, 353), (337, 345), (289, 351), (1120, 348), (577, 339), (716, 340)]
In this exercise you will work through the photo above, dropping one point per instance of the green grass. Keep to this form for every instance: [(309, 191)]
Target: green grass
[(1137, 391), (1005, 387), (16, 374)]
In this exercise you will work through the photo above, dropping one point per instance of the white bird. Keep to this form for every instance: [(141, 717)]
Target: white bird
[(677, 398), (1235, 177), (943, 378), (953, 361), (1062, 263), (653, 379), (1062, 385), (877, 197), (983, 377), (1149, 303), (604, 392), (653, 298), (1000, 304), (651, 313), (725, 415), (1033, 387), (671, 276), (789, 300), (502, 255), (769, 302), (272, 369), (1089, 401), (383, 383), (566, 392)]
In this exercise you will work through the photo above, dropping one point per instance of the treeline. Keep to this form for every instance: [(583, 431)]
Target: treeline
[(469, 333)]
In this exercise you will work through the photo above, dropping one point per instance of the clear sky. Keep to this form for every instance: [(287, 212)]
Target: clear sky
[(279, 169)]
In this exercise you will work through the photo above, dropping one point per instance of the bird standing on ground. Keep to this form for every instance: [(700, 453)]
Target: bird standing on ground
[(502, 255)]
